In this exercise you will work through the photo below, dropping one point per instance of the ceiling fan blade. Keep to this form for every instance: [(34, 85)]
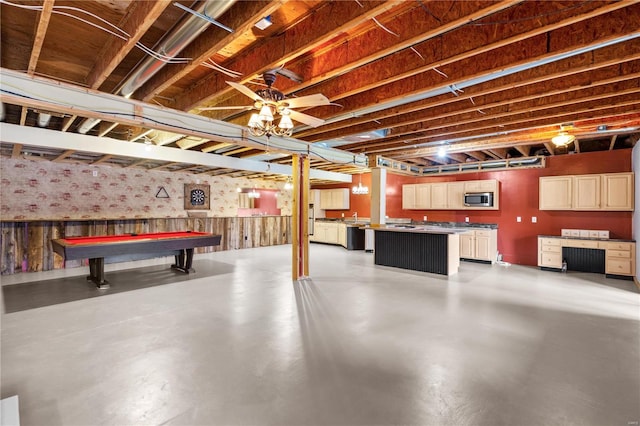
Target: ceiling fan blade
[(307, 101), (305, 119), (224, 108), (245, 91)]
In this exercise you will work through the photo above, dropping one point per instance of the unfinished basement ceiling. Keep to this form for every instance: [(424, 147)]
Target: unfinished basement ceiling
[(483, 79)]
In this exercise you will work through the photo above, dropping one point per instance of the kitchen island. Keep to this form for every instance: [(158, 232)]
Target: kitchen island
[(419, 248)]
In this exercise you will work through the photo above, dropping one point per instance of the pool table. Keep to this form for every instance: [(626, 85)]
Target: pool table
[(126, 247)]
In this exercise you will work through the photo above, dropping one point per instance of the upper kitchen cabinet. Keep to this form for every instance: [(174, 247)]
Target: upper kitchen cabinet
[(617, 191), (486, 185), (556, 193), (611, 191), (455, 195), (447, 195), (334, 199)]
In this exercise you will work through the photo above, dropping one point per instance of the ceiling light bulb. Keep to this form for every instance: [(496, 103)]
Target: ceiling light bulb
[(442, 151)]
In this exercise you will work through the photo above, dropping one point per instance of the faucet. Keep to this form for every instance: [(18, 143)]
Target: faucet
[(356, 217)]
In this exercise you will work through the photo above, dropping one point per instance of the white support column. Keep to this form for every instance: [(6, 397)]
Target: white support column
[(378, 196)]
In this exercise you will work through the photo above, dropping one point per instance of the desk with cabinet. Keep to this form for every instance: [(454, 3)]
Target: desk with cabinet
[(615, 258)]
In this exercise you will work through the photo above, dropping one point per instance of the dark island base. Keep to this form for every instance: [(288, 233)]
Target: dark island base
[(426, 252)]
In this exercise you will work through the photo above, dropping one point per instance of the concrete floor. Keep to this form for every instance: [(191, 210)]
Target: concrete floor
[(239, 343)]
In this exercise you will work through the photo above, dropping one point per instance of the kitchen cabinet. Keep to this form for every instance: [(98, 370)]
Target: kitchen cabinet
[(325, 232), (447, 195), (549, 253), (617, 191), (334, 199), (455, 195), (342, 234), (594, 192), (586, 192), (619, 256), (485, 185), (479, 244), (555, 193), (439, 196), (409, 197)]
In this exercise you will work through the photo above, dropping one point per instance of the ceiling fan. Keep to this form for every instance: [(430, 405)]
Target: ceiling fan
[(270, 102)]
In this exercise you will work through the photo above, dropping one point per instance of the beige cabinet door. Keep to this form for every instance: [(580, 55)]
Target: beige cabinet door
[(325, 199), (439, 196), (340, 198), (617, 191), (555, 193), (342, 234), (331, 233), (586, 192), (423, 196), (483, 246), (455, 195), (486, 185), (467, 245), (408, 197)]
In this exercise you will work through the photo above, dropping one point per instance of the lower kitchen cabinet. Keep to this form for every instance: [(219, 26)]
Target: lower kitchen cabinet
[(479, 244), (339, 233), (615, 258)]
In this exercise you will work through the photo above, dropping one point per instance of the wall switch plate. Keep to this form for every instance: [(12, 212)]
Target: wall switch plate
[(95, 173), (466, 219), (534, 219), (424, 218), (518, 219), (342, 214)]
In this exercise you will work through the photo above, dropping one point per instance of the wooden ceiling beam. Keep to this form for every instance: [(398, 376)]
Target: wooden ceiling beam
[(215, 146), (573, 111), (64, 155), (543, 76), (508, 105), (500, 152), (523, 149), (492, 155), (137, 21), (328, 20), (576, 144), (41, 31), (242, 18), (613, 142), (67, 122), (459, 157), (459, 67), (237, 151), (550, 147), (16, 150), (478, 155), (103, 159)]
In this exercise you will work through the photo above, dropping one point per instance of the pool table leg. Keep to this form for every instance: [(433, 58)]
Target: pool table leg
[(96, 273), (184, 261)]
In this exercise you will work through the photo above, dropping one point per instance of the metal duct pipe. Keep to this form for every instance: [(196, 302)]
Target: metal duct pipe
[(170, 45)]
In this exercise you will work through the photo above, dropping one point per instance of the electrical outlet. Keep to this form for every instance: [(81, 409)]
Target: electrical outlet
[(518, 219), (342, 214), (424, 218), (95, 173), (466, 219), (534, 219)]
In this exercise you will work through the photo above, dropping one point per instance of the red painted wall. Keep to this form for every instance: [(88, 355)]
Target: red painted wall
[(518, 197)]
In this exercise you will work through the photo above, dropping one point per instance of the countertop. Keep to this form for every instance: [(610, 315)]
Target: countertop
[(408, 222), (614, 240), (422, 229)]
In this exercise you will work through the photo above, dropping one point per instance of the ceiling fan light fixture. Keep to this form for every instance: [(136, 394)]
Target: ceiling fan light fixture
[(562, 139), (254, 120)]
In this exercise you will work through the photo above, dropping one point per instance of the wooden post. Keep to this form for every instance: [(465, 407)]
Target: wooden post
[(300, 217)]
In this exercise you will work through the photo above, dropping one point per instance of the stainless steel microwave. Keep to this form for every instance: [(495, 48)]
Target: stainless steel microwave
[(478, 199)]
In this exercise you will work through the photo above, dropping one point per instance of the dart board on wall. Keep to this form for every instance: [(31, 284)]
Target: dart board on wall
[(196, 197)]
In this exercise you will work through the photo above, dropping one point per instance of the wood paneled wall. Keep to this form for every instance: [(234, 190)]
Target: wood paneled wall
[(26, 246)]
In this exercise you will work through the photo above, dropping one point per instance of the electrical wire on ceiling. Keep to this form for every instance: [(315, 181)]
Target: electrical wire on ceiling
[(214, 66), (123, 34)]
